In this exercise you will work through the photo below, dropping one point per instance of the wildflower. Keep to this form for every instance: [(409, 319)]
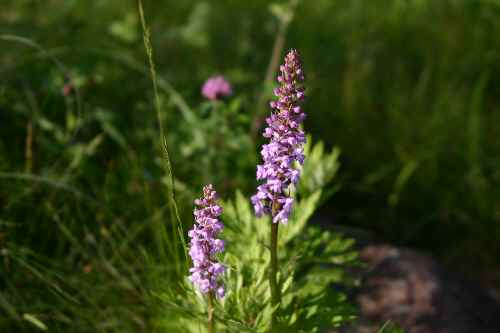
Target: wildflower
[(67, 89), (286, 141), (204, 245), (216, 87)]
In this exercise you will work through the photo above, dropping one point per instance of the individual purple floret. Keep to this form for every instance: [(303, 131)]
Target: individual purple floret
[(204, 245), (216, 87), (286, 144)]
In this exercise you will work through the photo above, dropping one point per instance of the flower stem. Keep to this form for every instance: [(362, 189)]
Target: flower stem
[(273, 279), (210, 310)]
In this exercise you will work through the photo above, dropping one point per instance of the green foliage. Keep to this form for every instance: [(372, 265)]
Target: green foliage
[(406, 89), (212, 144), (312, 262), (320, 169)]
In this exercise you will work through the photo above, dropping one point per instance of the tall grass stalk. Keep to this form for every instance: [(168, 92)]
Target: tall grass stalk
[(176, 223)]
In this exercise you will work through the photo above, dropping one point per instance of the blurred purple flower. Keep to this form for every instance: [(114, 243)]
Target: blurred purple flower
[(204, 245), (216, 87), (285, 146)]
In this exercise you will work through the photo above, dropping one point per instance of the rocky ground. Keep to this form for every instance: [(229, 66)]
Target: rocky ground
[(414, 291)]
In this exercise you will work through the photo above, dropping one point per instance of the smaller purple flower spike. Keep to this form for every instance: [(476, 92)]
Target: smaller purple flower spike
[(216, 87), (286, 141), (204, 245)]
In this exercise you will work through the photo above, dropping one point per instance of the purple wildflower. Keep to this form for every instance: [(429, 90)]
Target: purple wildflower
[(216, 87), (204, 245), (286, 144)]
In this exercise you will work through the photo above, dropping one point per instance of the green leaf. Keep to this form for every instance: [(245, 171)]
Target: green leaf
[(114, 134), (319, 169), (35, 321), (301, 214)]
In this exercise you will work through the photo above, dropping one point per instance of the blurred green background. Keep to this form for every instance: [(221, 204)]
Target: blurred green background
[(407, 89)]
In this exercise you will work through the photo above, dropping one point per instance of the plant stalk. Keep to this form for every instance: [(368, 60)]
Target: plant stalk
[(210, 311), (273, 278), (167, 165)]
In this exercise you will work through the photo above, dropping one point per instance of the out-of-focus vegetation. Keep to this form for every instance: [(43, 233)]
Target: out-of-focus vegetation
[(406, 89)]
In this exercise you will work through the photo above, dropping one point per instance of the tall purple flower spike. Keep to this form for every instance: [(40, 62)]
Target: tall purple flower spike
[(216, 87), (206, 271), (286, 144)]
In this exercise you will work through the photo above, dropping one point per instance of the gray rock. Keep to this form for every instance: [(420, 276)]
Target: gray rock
[(412, 290)]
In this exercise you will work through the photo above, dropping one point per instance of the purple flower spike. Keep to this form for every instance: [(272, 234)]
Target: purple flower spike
[(216, 87), (204, 245), (286, 141)]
